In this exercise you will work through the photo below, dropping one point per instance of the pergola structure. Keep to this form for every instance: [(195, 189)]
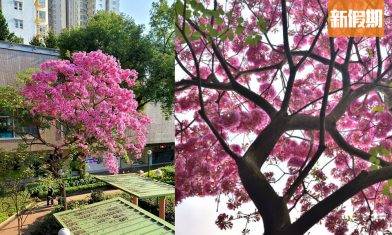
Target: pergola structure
[(114, 216), (140, 187)]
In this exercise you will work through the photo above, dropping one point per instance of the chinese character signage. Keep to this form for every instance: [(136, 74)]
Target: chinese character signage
[(356, 18)]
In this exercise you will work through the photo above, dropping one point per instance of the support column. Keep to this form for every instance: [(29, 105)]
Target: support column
[(162, 207), (135, 200)]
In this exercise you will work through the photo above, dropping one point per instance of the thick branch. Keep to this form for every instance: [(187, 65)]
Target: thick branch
[(341, 142), (185, 83), (240, 89), (323, 208)]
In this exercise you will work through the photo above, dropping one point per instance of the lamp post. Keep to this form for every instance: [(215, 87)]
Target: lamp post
[(149, 153)]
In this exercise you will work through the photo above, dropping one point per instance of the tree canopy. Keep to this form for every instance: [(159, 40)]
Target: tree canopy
[(272, 110), (84, 97), (121, 37)]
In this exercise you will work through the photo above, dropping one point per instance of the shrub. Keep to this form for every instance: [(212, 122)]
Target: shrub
[(167, 176), (71, 205), (72, 184), (96, 196), (48, 225), (6, 207)]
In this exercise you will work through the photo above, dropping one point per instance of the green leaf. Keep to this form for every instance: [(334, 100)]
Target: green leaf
[(196, 36), (230, 35), (223, 36), (179, 7), (249, 40), (386, 190), (219, 21), (239, 30), (220, 11), (198, 7), (378, 108), (262, 23)]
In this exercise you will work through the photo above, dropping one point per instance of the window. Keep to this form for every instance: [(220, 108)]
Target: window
[(42, 3), (18, 23), (18, 5), (164, 154), (42, 15), (6, 128), (42, 29)]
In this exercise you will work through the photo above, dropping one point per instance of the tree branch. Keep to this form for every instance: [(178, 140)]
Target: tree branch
[(321, 146), (342, 143), (324, 207)]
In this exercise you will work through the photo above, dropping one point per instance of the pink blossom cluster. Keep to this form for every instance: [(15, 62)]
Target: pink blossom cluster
[(87, 95), (204, 168)]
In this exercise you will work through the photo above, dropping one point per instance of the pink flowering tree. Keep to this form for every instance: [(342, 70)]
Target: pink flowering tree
[(271, 110), (88, 99)]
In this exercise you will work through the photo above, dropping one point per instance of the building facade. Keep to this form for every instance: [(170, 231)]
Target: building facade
[(29, 18), (16, 58), (73, 13), (26, 18)]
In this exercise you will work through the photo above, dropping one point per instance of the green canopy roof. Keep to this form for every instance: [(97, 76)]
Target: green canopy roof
[(141, 187), (114, 216)]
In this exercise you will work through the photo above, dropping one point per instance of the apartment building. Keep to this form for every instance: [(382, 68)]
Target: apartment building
[(105, 5), (26, 18), (72, 13)]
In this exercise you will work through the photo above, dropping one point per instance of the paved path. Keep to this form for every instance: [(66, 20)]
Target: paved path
[(39, 211)]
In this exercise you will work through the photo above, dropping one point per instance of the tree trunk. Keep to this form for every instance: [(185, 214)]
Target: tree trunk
[(18, 213), (63, 193), (56, 162), (270, 205)]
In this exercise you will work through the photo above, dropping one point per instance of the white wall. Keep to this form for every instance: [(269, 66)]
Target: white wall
[(161, 130), (27, 14)]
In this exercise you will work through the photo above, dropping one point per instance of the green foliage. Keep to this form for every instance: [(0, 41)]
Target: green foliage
[(12, 104), (5, 34), (161, 66), (71, 205), (151, 56), (37, 41), (7, 207), (375, 154), (72, 184), (16, 165), (161, 22), (14, 39), (10, 99), (195, 9), (50, 40), (96, 196), (113, 34), (24, 76), (164, 174), (45, 226), (16, 169)]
